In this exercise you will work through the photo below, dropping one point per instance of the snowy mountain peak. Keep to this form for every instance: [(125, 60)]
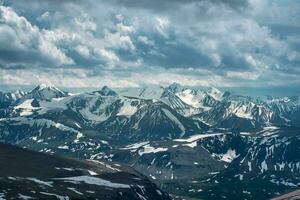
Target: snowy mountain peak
[(214, 90), (44, 92), (106, 91), (44, 87), (174, 87), (215, 93)]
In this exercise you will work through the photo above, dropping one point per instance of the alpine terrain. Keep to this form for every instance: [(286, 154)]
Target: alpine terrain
[(192, 143)]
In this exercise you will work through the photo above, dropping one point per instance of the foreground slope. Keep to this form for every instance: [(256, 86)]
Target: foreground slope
[(26, 174), (289, 196)]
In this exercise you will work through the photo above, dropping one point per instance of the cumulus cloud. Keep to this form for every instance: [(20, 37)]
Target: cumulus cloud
[(195, 42), (83, 51), (27, 40)]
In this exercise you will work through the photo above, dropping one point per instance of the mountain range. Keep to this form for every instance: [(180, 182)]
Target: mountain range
[(193, 143)]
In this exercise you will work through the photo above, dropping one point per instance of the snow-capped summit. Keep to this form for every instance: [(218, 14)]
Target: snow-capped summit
[(44, 92), (49, 91), (191, 97), (106, 91), (173, 88), (44, 85)]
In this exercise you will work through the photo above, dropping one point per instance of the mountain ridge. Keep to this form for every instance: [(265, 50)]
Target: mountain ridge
[(157, 136)]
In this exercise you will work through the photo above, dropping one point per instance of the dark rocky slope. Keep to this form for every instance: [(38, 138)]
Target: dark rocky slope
[(26, 174)]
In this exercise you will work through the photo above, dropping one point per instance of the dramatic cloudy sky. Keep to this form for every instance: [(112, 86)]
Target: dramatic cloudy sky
[(125, 43)]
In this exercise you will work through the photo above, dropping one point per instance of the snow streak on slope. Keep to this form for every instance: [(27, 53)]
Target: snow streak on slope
[(94, 181), (174, 120)]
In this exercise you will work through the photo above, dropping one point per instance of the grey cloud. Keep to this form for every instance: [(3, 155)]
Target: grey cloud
[(170, 4), (12, 66), (23, 41), (219, 39)]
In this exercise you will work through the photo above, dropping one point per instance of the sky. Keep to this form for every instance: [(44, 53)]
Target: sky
[(131, 43)]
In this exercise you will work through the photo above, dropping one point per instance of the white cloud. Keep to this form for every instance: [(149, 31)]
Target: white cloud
[(145, 40), (116, 40), (85, 24), (9, 38), (213, 44), (51, 51), (29, 37), (124, 28), (119, 17), (44, 17), (108, 56), (162, 25), (251, 61), (83, 51), (243, 75), (25, 32)]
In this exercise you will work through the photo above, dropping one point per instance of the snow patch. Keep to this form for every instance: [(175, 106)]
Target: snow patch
[(127, 109), (26, 108), (187, 97), (49, 184), (243, 112), (198, 137), (264, 167), (92, 173), (134, 147), (149, 149), (192, 144), (174, 120), (229, 156), (63, 147), (74, 190), (93, 181)]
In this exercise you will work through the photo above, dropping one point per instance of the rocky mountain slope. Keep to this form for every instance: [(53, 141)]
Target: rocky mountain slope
[(27, 174), (289, 196)]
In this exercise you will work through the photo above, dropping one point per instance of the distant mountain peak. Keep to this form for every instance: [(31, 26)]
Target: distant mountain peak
[(215, 93), (107, 91), (45, 92), (175, 85), (173, 88), (214, 90), (44, 86)]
